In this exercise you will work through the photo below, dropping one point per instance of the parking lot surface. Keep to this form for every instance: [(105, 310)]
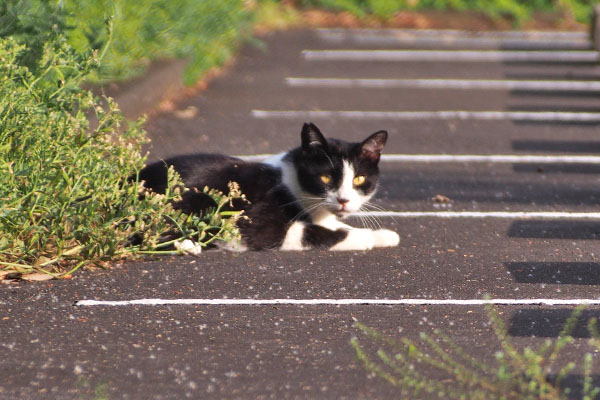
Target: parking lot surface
[(490, 177)]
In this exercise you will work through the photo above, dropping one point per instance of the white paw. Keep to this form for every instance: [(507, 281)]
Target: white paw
[(188, 246), (357, 239), (386, 238)]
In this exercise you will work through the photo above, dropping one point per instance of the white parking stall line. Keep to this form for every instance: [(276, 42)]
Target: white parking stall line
[(468, 158), (340, 302), (463, 39), (428, 115), (520, 215), (491, 158), (451, 55), (530, 35), (462, 84)]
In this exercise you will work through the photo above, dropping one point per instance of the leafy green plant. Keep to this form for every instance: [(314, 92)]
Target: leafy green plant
[(436, 365), (205, 32), (65, 187)]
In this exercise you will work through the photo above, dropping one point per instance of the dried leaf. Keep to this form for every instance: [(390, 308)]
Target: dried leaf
[(3, 274), (440, 198), (41, 261), (37, 276)]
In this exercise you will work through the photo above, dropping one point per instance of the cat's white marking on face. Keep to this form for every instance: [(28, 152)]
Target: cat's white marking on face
[(293, 237), (346, 192)]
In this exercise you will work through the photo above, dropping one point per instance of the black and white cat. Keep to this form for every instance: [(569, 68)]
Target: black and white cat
[(296, 199)]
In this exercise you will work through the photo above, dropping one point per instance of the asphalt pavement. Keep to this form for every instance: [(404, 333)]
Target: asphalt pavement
[(494, 193)]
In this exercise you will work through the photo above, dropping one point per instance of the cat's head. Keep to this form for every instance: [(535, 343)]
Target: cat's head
[(337, 175)]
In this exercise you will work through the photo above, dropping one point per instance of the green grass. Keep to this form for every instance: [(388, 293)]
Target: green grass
[(515, 10), (65, 191), (435, 365)]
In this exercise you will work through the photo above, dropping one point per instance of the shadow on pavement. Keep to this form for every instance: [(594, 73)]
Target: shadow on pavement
[(549, 323), (557, 168), (556, 146), (405, 186), (574, 383), (545, 229), (552, 108), (568, 273), (553, 93)]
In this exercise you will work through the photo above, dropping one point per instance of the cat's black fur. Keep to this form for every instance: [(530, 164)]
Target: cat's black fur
[(277, 189)]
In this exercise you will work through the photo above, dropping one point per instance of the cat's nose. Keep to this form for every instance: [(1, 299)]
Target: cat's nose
[(342, 200)]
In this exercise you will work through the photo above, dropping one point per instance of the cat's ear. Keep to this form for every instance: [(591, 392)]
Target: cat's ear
[(372, 146), (312, 137)]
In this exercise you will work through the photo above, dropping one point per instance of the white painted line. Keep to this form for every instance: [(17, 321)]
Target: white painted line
[(531, 35), (468, 158), (427, 115), (550, 215), (451, 55), (340, 302), (463, 84), (492, 158), (462, 39), (467, 43)]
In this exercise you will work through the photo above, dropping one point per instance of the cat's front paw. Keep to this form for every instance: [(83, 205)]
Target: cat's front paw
[(356, 239), (386, 238), (188, 246)]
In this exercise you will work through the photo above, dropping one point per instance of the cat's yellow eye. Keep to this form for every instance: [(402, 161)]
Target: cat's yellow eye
[(325, 179), (359, 180)]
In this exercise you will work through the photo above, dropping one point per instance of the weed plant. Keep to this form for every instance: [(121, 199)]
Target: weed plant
[(66, 193), (437, 366)]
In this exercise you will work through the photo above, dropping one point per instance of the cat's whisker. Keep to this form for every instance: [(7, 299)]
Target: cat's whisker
[(368, 223), (377, 221), (374, 206), (373, 222), (362, 221), (301, 199), (368, 206), (306, 211)]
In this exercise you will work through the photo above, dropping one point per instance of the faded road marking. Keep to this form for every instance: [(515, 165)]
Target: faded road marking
[(338, 302), (461, 84), (451, 55), (468, 158), (543, 116)]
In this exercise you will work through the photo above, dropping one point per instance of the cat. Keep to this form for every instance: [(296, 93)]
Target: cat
[(295, 199)]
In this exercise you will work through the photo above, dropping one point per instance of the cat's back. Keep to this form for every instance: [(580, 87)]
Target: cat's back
[(215, 171)]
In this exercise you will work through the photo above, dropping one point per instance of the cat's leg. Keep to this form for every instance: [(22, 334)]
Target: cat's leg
[(386, 238), (382, 237), (304, 236)]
